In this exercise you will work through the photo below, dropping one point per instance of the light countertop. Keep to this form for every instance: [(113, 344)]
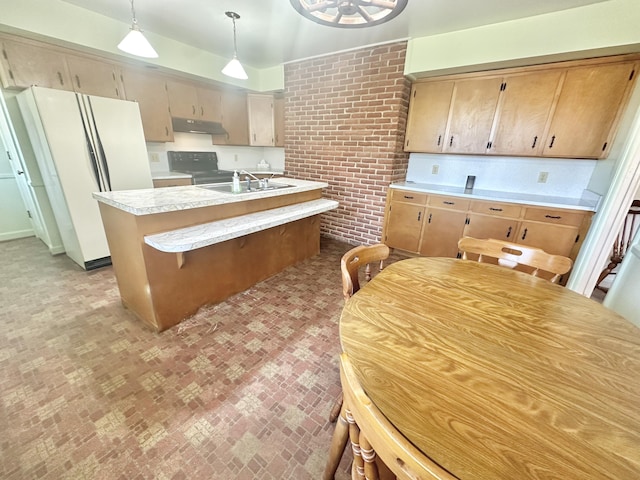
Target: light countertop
[(588, 202), (169, 175), (170, 199)]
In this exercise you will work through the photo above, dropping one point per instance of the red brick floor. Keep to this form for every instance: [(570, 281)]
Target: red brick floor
[(240, 391)]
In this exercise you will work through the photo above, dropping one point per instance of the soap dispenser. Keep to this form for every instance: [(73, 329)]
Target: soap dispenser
[(235, 187)]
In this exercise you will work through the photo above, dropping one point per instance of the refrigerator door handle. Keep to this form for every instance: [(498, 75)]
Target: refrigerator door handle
[(92, 153), (103, 155)]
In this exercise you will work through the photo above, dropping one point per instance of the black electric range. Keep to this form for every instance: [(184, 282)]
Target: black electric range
[(202, 166)]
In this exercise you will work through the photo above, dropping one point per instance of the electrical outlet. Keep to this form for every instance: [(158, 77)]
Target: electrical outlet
[(434, 169), (154, 157), (542, 177)]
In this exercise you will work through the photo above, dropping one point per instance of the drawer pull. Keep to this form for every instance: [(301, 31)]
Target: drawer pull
[(556, 217), (495, 209), (524, 234), (408, 197), (509, 232), (449, 203)]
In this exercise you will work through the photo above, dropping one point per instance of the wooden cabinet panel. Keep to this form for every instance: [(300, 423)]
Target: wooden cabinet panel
[(408, 196), (150, 93), (588, 107), (555, 216), (496, 209), (235, 119), (404, 226), (173, 182), (453, 203), (278, 120), (94, 77), (555, 239), (210, 102), (260, 111), (524, 113), (473, 107), (25, 65), (183, 100), (427, 119), (485, 226), (442, 230)]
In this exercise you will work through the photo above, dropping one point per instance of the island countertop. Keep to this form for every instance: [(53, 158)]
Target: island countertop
[(589, 201), (170, 199)]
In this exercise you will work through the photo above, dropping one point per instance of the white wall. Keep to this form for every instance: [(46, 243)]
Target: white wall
[(566, 178)]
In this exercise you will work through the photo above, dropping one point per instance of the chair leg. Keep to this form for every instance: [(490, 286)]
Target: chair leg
[(357, 469), (338, 444), (369, 457), (335, 410)]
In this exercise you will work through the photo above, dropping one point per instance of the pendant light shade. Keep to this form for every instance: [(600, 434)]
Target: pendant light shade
[(135, 42), (234, 67)]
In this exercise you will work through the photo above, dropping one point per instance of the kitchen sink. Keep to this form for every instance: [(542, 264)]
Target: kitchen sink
[(255, 187)]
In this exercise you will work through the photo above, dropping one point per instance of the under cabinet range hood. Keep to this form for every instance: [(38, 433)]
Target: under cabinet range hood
[(187, 125)]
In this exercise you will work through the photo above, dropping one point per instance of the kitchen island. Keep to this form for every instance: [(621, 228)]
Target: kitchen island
[(177, 249)]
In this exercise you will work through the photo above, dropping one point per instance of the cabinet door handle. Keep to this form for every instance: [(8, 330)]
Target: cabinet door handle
[(451, 141), (535, 140), (439, 140), (495, 209), (60, 79), (254, 137), (193, 109), (408, 197), (449, 203), (553, 139), (509, 232), (524, 234), (419, 216), (202, 111), (556, 217), (429, 218), (166, 131), (78, 81)]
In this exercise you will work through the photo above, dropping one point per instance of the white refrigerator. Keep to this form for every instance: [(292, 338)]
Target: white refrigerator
[(84, 144)]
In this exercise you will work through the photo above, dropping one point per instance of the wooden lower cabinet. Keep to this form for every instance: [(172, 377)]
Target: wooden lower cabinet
[(171, 182), (431, 225)]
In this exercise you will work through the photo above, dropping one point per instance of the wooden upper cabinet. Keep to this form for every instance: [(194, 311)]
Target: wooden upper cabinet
[(94, 77), (151, 94), (278, 120), (523, 113), (587, 111), (261, 128), (427, 120), (183, 100), (210, 101), (235, 119), (25, 65), (473, 107)]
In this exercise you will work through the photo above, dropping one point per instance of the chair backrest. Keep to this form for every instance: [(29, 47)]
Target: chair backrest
[(354, 259), (625, 235), (375, 431), (512, 254)]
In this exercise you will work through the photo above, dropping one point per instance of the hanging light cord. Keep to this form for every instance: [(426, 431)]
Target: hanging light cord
[(133, 14), (235, 46)]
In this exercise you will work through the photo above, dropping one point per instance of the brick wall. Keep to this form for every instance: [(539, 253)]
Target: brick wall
[(344, 124)]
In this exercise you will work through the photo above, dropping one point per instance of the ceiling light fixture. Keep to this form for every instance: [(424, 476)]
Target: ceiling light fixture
[(349, 13), (135, 42), (234, 67)]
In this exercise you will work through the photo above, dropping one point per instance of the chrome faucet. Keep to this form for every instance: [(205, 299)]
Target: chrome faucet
[(263, 183)]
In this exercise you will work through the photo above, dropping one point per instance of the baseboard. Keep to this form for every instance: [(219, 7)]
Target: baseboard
[(16, 234)]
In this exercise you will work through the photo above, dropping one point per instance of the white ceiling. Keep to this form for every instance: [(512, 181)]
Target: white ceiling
[(271, 32)]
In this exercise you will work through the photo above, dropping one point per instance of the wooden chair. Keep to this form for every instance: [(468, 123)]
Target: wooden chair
[(351, 265), (512, 254), (373, 437), (622, 242)]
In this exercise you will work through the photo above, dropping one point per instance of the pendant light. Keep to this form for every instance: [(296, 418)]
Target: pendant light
[(234, 68), (135, 42)]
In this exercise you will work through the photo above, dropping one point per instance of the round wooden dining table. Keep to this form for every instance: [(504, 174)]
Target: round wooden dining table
[(496, 374)]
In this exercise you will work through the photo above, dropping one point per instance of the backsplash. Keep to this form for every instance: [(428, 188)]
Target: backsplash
[(229, 157), (564, 177)]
